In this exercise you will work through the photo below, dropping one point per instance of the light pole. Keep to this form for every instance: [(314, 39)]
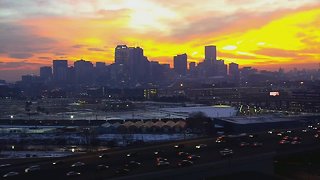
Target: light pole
[(12, 148), (71, 117), (11, 118)]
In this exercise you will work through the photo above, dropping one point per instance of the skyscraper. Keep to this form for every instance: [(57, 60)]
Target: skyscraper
[(234, 70), (180, 64), (60, 68), (83, 72), (210, 53), (121, 54), (46, 73), (138, 64)]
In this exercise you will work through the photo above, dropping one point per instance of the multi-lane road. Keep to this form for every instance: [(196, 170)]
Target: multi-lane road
[(246, 150)]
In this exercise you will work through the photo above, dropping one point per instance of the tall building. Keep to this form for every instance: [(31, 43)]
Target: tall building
[(121, 54), (71, 77), (210, 53), (234, 71), (219, 68), (138, 64), (46, 73), (180, 64), (60, 68), (83, 72)]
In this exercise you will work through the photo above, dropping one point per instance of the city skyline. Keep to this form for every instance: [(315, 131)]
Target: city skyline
[(264, 34)]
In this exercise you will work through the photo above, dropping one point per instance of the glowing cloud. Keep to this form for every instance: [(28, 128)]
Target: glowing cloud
[(265, 33)]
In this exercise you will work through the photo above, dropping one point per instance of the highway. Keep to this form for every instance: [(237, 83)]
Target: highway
[(266, 145)]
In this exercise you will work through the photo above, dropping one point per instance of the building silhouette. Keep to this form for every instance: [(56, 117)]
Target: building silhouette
[(210, 54), (83, 72), (234, 72), (60, 68), (46, 73), (121, 54), (180, 64)]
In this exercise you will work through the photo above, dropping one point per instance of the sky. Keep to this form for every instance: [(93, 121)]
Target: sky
[(265, 34)]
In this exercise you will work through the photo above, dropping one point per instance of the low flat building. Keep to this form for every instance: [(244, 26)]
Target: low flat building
[(249, 124)]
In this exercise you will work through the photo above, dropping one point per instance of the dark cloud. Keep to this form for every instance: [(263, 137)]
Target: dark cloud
[(17, 38), (78, 46), (237, 56), (16, 64), (20, 55), (96, 49), (298, 56), (60, 54), (213, 22), (273, 52), (44, 58)]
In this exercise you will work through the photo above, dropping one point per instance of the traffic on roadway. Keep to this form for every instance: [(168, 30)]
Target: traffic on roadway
[(153, 158)]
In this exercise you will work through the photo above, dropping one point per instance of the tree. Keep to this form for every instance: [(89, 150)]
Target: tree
[(198, 122)]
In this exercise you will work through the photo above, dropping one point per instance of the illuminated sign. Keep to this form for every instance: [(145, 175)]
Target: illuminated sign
[(276, 93)]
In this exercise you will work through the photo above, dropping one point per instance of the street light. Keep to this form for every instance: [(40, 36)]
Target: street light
[(12, 148), (11, 118), (72, 118)]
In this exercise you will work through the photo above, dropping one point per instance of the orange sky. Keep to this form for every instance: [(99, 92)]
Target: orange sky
[(266, 34)]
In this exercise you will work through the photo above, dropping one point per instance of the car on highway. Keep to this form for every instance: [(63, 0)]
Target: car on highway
[(161, 159), (132, 154), (226, 152), (183, 154), (244, 144), (58, 162), (286, 138), (193, 157), (283, 142), (73, 173), (163, 164), (122, 171), (32, 168), (201, 146), (185, 163), (280, 133), (132, 164), (4, 165), (257, 144), (10, 174), (103, 156), (78, 164), (295, 142), (220, 139), (178, 146), (296, 138), (101, 167), (158, 152)]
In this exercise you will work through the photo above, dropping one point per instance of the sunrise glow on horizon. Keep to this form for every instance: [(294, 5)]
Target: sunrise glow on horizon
[(265, 34)]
